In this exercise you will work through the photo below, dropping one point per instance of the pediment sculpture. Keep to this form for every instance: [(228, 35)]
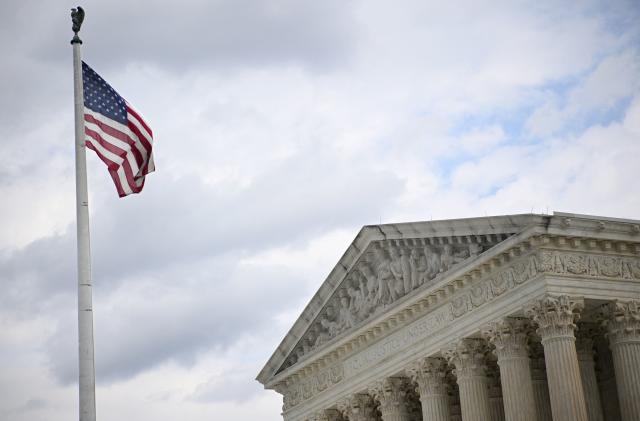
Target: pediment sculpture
[(389, 270)]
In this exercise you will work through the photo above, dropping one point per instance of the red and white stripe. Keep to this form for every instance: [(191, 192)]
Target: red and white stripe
[(125, 149)]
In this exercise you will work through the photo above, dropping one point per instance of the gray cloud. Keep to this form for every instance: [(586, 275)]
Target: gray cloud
[(187, 34), (232, 385), (220, 36), (171, 318), (182, 227)]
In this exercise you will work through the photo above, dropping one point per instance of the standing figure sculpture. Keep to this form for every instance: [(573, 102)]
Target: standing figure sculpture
[(418, 264), (432, 257), (450, 258), (372, 284), (401, 270), (386, 281)]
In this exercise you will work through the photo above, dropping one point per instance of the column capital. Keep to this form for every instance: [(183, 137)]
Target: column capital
[(430, 375), (622, 321), (468, 357), (357, 407), (555, 315), (391, 393), (509, 336)]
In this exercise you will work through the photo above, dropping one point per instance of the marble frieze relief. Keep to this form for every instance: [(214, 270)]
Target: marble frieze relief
[(295, 391), (591, 265), (388, 271)]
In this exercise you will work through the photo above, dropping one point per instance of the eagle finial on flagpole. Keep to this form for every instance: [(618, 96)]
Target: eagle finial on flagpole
[(77, 16)]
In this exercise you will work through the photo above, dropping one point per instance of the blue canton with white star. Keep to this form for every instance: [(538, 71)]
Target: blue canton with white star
[(100, 97)]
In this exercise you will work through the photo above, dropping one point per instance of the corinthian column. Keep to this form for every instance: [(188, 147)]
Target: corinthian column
[(607, 381), (430, 374), (509, 336), (391, 394), (357, 407), (496, 404), (539, 379), (584, 347), (467, 355), (556, 316), (623, 330), (454, 399)]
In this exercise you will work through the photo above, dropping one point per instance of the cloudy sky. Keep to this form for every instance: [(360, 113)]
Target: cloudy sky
[(282, 127)]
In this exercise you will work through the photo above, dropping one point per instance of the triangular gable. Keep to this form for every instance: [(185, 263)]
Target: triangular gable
[(384, 264)]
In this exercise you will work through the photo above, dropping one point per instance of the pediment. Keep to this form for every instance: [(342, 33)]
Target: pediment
[(383, 265)]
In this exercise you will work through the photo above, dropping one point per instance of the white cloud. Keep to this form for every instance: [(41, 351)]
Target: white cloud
[(613, 79)]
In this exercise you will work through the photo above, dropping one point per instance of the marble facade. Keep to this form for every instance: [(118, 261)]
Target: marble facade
[(516, 318)]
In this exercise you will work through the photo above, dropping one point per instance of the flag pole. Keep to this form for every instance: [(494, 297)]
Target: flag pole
[(86, 373)]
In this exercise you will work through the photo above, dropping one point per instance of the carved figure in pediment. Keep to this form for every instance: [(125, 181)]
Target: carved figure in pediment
[(329, 326), (450, 258), (310, 340), (324, 332), (475, 249), (345, 317), (367, 298), (418, 264), (372, 282), (401, 270), (433, 261), (356, 302), (359, 294), (386, 281)]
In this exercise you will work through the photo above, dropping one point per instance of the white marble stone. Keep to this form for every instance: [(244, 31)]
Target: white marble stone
[(539, 379), (468, 358), (391, 395), (509, 337), (555, 317), (584, 346), (430, 376)]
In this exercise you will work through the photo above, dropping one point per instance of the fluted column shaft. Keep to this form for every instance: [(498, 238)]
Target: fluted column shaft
[(556, 316), (430, 374), (539, 379), (468, 358), (496, 404), (509, 336), (607, 382), (391, 393), (623, 329), (454, 401), (584, 347)]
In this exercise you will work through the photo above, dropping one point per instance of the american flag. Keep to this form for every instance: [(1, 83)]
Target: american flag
[(117, 133)]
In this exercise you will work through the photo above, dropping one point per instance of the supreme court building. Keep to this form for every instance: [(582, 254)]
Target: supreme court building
[(520, 317)]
